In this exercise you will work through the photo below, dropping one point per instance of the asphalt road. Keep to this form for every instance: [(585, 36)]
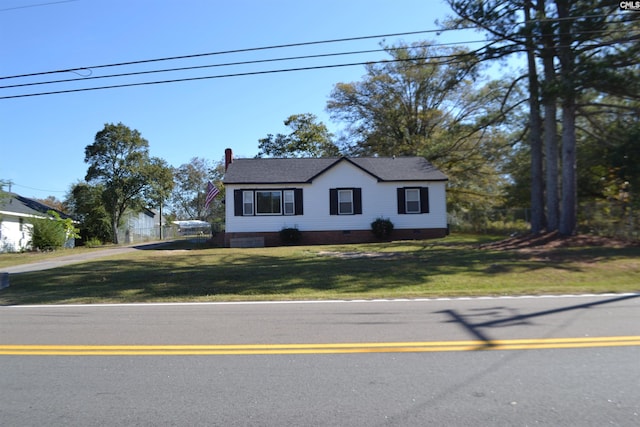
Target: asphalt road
[(571, 361)]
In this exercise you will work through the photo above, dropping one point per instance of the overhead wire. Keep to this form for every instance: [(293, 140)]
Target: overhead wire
[(187, 79), (127, 74), (227, 64), (270, 47), (36, 5), (218, 65), (224, 52), (446, 59)]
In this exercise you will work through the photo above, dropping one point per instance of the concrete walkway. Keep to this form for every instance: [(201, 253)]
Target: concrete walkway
[(75, 258)]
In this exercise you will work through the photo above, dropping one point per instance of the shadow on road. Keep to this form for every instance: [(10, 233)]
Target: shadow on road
[(498, 319)]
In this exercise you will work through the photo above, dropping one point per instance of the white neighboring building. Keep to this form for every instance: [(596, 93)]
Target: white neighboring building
[(16, 213), (333, 200)]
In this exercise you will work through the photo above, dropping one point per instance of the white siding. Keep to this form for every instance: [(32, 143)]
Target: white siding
[(14, 237), (379, 199)]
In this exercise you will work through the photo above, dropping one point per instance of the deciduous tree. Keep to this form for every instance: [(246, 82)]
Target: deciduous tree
[(426, 102), (119, 160), (84, 202), (308, 138), (189, 195), (160, 185)]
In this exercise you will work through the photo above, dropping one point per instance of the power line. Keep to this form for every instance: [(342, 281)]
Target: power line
[(271, 47), (232, 64), (144, 61), (36, 189), (228, 64), (446, 59), (288, 45), (187, 79), (37, 5), (226, 52)]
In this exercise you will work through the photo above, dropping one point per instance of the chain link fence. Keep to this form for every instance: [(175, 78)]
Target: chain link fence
[(133, 235)]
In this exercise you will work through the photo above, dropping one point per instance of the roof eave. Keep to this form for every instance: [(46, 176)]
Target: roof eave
[(266, 182), (415, 180)]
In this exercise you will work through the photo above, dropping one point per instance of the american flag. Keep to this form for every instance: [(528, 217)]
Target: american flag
[(212, 192)]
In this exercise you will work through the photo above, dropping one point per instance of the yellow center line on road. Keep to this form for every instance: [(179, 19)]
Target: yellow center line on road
[(329, 348)]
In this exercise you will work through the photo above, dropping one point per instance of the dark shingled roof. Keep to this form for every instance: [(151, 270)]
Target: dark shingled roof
[(24, 206), (305, 170)]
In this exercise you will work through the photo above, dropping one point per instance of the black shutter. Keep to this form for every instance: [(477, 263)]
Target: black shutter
[(424, 199), (237, 202), (401, 200), (297, 197), (333, 201), (357, 201)]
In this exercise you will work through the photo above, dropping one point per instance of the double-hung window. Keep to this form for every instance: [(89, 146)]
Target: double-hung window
[(289, 203), (247, 203), (412, 200), (345, 202)]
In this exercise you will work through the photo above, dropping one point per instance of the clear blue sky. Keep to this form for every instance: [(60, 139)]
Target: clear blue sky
[(42, 138)]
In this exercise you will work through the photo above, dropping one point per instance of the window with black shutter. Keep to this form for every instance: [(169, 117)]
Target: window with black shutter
[(413, 200), (345, 201)]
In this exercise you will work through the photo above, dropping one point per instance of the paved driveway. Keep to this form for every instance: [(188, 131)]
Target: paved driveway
[(79, 257)]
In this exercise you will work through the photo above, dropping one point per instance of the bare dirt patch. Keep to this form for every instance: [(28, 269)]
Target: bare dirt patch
[(170, 252), (355, 255)]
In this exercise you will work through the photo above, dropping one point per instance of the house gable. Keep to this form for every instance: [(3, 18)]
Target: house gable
[(338, 161)]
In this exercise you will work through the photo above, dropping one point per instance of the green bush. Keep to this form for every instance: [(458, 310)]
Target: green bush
[(382, 228), (47, 234), (52, 233), (290, 235), (93, 242)]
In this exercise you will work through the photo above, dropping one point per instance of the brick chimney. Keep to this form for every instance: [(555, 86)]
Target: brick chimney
[(228, 158)]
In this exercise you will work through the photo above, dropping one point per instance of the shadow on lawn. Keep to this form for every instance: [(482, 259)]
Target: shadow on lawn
[(225, 274)]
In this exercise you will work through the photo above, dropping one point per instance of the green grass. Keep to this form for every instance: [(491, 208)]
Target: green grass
[(453, 266)]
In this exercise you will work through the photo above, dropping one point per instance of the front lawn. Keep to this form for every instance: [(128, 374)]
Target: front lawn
[(453, 266)]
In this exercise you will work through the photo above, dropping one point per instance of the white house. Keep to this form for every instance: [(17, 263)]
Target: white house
[(332, 200), (16, 216)]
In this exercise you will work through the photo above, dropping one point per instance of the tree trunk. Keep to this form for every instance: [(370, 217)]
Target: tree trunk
[(549, 99), (114, 227), (535, 134), (568, 217), (551, 151), (160, 231)]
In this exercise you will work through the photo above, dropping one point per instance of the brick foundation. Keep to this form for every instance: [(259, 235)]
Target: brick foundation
[(337, 237)]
